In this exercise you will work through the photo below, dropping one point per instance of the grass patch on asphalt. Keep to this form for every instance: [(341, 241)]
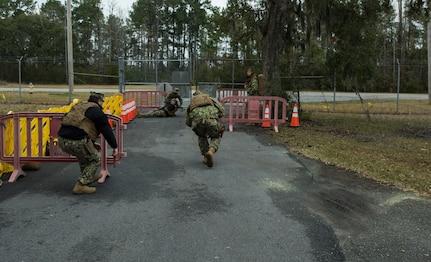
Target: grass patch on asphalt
[(391, 149)]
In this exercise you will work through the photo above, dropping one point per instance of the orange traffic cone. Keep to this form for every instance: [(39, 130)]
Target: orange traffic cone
[(266, 120), (295, 118)]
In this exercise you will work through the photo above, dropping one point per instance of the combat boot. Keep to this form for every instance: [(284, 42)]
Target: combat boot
[(79, 188), (209, 157)]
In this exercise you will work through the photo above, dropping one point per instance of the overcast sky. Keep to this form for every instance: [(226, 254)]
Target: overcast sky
[(125, 5)]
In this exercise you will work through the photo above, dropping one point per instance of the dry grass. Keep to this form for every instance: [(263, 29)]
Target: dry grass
[(389, 148), (26, 102), (34, 102)]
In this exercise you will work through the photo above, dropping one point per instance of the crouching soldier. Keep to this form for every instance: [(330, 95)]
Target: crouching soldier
[(203, 116), (80, 128)]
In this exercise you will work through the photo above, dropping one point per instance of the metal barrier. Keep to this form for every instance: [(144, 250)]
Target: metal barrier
[(34, 136), (146, 99), (251, 109), (225, 92)]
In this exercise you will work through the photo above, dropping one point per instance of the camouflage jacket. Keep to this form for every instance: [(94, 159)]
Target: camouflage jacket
[(173, 95), (207, 110), (252, 85)]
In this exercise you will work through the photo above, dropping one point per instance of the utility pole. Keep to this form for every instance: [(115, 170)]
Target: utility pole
[(429, 58), (69, 48), (19, 78)]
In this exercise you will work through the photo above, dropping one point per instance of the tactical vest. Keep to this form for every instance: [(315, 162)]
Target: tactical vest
[(76, 117), (201, 100)]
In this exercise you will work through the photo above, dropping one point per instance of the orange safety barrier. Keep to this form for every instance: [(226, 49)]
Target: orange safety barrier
[(124, 112), (133, 109), (40, 130), (130, 110), (237, 110), (128, 103)]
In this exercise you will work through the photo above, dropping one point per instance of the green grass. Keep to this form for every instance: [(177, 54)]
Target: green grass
[(391, 149)]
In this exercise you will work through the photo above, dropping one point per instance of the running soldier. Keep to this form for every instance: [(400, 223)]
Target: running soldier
[(203, 116)]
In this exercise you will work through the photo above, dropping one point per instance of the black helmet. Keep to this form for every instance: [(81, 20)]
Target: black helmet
[(95, 97)]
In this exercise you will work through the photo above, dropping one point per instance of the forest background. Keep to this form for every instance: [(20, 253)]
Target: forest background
[(357, 45)]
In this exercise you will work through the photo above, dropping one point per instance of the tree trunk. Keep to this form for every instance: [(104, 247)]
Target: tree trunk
[(273, 32)]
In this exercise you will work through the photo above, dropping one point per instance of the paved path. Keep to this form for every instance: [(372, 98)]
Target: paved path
[(258, 203)]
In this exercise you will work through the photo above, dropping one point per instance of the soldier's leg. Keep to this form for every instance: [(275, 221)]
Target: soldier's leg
[(159, 113), (199, 130), (214, 134), (152, 113), (89, 163), (87, 167), (203, 145), (213, 131)]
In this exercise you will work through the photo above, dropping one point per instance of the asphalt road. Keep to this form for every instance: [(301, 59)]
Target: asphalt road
[(258, 203)]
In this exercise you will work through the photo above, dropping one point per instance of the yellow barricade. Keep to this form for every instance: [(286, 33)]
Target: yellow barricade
[(114, 102)]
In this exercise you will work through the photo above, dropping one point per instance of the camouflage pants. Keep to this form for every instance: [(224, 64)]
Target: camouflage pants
[(155, 113), (207, 129), (87, 155)]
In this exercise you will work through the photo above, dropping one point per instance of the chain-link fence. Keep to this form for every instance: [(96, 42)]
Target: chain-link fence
[(407, 77)]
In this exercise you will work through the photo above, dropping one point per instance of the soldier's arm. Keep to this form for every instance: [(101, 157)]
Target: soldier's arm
[(188, 119), (254, 85)]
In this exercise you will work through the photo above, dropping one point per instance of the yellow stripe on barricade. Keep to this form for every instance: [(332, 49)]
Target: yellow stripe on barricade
[(37, 128)]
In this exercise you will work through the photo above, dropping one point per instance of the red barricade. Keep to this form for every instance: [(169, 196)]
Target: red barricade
[(251, 109)]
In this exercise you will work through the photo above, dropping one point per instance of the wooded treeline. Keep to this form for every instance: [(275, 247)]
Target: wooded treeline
[(356, 44)]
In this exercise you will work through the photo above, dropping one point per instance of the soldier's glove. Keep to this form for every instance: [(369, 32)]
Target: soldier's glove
[(221, 131)]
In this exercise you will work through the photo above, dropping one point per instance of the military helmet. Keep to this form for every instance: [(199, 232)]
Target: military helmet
[(95, 97), (177, 89), (197, 93)]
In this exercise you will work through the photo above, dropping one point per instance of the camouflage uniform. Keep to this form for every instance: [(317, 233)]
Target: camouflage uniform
[(80, 128), (252, 85), (175, 94), (202, 116), (87, 155), (166, 111)]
